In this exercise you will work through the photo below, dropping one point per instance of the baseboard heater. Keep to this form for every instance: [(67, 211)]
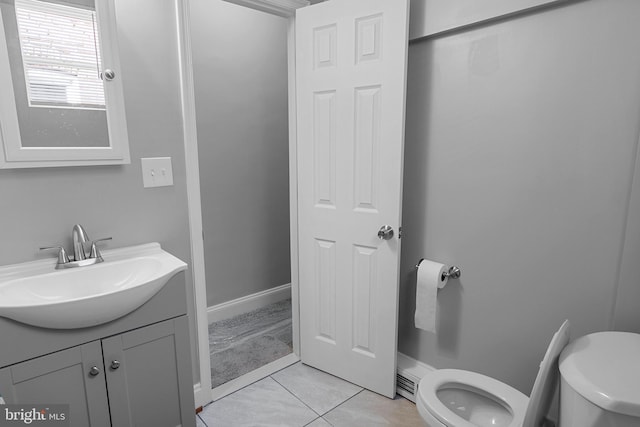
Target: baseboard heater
[(409, 372), (407, 386)]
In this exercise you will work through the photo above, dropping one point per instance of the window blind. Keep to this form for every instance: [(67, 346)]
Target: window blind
[(60, 54)]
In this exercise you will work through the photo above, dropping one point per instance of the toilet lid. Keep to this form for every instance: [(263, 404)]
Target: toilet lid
[(546, 382), (604, 368)]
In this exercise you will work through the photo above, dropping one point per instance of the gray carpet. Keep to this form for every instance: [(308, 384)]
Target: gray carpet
[(246, 342)]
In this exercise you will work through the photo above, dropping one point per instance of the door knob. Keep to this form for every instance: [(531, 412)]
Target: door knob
[(94, 371), (115, 364), (385, 232)]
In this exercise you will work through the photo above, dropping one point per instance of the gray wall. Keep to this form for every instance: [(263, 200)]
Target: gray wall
[(522, 138), (38, 207), (240, 72)]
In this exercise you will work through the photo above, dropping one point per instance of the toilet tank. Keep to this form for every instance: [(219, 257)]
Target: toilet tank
[(600, 381), (576, 411)]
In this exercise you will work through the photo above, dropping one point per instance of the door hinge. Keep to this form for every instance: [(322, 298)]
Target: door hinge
[(399, 232)]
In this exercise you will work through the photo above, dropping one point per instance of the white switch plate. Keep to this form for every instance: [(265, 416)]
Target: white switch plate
[(157, 172)]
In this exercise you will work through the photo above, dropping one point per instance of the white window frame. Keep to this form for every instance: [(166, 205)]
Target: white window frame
[(85, 61), (14, 155)]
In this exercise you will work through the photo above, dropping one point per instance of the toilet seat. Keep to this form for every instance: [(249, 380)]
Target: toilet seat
[(490, 398), (508, 397)]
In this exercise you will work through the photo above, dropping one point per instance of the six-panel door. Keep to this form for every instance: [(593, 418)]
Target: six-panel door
[(350, 87)]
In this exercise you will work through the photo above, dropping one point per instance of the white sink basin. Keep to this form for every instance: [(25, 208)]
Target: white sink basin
[(36, 294)]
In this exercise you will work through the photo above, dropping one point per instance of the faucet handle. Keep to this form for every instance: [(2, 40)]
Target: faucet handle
[(95, 253), (62, 254)]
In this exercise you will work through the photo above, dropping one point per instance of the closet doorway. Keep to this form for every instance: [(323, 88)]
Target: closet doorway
[(241, 98)]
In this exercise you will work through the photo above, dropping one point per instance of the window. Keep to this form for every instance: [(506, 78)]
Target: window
[(60, 55)]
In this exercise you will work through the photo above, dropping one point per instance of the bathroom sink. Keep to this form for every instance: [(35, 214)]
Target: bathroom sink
[(36, 294)]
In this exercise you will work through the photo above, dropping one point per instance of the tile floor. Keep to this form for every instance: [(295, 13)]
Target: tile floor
[(300, 396)]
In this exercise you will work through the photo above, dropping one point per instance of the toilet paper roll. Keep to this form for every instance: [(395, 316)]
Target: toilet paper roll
[(430, 278)]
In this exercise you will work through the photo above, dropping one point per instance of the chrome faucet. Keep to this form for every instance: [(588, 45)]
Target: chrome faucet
[(80, 258), (79, 237)]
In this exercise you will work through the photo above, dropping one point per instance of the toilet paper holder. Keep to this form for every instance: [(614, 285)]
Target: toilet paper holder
[(453, 273)]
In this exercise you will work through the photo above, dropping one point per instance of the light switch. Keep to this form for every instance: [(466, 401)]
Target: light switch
[(157, 172)]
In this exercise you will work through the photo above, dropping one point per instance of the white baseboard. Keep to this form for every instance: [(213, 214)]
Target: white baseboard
[(415, 367), (253, 376), (248, 303)]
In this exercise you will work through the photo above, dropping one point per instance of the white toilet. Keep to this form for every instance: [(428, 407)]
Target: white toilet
[(456, 398)]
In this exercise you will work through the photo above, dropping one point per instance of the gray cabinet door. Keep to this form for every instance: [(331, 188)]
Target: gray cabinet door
[(149, 376), (62, 378)]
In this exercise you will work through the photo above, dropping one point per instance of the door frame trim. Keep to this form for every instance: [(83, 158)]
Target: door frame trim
[(293, 184), (202, 388), (284, 8)]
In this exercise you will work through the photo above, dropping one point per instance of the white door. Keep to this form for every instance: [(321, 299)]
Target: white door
[(351, 60)]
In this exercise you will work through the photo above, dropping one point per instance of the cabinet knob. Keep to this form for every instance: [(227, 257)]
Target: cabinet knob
[(108, 74), (94, 371), (115, 364)]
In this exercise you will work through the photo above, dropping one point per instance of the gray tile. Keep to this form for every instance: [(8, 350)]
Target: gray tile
[(199, 422), (320, 391), (369, 409), (319, 422), (265, 403)]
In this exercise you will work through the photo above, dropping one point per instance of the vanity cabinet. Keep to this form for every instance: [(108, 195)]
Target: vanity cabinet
[(62, 378), (137, 378), (151, 385)]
